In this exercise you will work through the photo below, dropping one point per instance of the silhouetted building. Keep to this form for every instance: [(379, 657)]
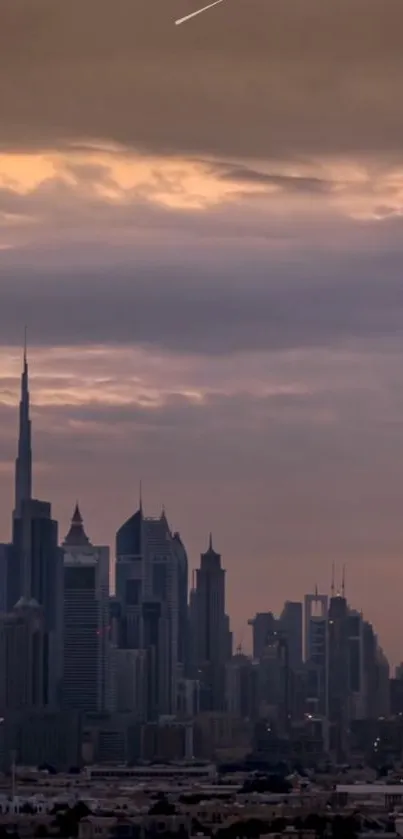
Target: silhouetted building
[(316, 651), (212, 643), (22, 488), (163, 562), (23, 463), (40, 562), (22, 658), (129, 571), (151, 587), (274, 683), (183, 612), (290, 625), (5, 558), (241, 687), (35, 570), (130, 670), (39, 737), (356, 674), (87, 659), (370, 647), (264, 625), (338, 680)]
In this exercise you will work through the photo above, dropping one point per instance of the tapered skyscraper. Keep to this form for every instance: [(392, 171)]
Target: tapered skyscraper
[(212, 642), (23, 463)]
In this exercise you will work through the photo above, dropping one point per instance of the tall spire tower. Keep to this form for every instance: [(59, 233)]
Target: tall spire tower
[(23, 463)]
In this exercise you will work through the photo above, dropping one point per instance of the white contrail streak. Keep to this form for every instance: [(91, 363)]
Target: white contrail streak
[(199, 11)]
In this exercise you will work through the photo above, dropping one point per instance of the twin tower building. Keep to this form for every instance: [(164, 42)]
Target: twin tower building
[(66, 643)]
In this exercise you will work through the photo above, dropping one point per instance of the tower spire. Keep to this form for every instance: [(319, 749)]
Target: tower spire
[(332, 585), (77, 535), (141, 496), (23, 463), (343, 582)]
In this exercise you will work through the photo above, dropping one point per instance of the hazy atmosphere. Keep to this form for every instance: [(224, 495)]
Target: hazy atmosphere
[(202, 228)]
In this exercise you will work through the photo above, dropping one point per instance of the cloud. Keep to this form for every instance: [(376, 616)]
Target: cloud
[(287, 183), (311, 301), (112, 247), (255, 79)]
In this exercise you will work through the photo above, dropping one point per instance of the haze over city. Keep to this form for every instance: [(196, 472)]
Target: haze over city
[(202, 228)]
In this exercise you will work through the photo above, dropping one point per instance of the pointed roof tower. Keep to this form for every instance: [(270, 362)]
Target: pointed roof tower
[(211, 558), (23, 463), (76, 536)]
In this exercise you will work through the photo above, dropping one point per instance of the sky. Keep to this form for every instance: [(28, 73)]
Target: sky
[(202, 227)]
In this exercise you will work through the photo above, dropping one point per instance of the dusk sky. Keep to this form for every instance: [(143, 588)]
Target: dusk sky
[(202, 227)]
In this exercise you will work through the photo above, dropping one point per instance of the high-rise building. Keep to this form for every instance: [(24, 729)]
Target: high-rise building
[(316, 651), (39, 559), (264, 625), (34, 569), (338, 674), (22, 658), (130, 669), (212, 647), (183, 608), (5, 557), (370, 648), (23, 463), (162, 564), (383, 684), (22, 485), (241, 687), (151, 588), (273, 688), (356, 675), (87, 655), (290, 625), (129, 575)]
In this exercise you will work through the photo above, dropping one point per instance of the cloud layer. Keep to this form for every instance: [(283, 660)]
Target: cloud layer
[(252, 78)]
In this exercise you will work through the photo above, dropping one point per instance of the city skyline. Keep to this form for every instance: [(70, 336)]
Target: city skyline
[(202, 228), (23, 492), (159, 648)]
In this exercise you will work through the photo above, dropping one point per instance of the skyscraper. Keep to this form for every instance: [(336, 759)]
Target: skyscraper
[(356, 677), (183, 609), (87, 654), (22, 658), (5, 555), (129, 571), (23, 463), (211, 644), (34, 569), (264, 626), (22, 484), (39, 561), (151, 586), (162, 561), (290, 624), (338, 675), (316, 650)]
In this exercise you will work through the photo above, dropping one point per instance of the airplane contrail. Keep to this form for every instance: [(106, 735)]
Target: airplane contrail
[(199, 11)]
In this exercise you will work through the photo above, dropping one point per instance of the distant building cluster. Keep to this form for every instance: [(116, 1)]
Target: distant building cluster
[(150, 672)]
